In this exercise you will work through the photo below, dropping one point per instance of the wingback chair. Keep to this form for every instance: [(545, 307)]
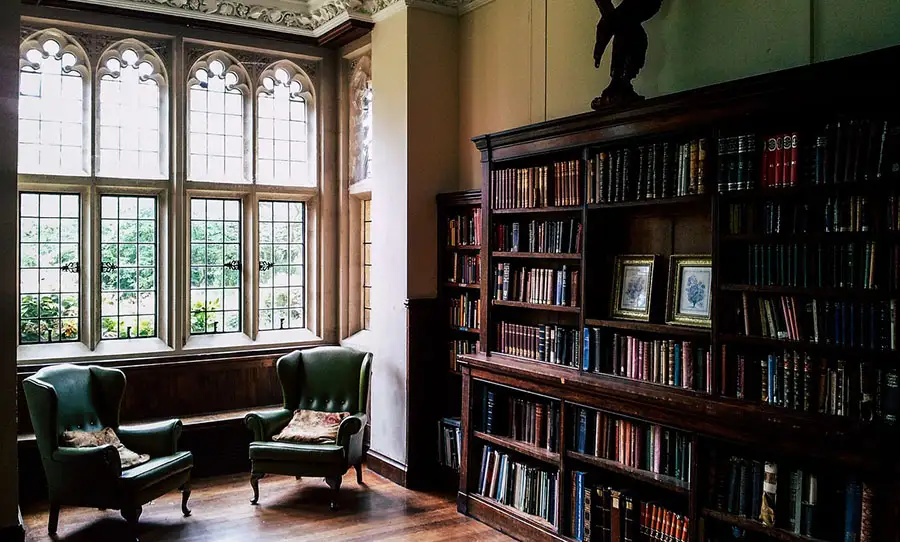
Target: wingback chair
[(329, 379), (76, 398)]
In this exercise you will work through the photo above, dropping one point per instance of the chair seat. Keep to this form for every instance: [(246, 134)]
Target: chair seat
[(289, 451), (158, 468)]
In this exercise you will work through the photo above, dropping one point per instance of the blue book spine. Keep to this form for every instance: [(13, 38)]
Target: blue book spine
[(853, 512), (582, 430), (586, 351), (677, 375), (771, 380), (579, 506)]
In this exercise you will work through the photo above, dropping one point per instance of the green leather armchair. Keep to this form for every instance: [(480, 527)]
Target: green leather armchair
[(76, 398), (329, 379)]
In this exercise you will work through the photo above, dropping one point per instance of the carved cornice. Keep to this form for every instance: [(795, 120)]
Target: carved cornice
[(296, 17)]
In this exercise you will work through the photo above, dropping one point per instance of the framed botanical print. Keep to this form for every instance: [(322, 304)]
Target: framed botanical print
[(690, 290), (633, 287)]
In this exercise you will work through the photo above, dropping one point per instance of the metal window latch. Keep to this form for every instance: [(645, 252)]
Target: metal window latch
[(106, 267), (215, 327), (71, 267), (265, 266), (282, 324), (233, 264)]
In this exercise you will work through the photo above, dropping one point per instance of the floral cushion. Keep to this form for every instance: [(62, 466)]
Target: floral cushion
[(93, 439), (312, 427)]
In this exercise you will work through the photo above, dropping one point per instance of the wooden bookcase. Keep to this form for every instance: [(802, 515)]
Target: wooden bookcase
[(802, 100), (445, 379)]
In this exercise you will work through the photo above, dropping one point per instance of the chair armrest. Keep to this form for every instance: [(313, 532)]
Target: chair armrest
[(350, 426), (101, 462), (155, 439), (267, 424)]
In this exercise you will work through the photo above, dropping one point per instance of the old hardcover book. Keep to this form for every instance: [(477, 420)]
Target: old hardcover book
[(770, 490), (616, 519)]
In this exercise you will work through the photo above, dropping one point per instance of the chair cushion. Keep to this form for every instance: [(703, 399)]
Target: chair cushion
[(290, 451), (93, 439), (312, 427), (158, 468)]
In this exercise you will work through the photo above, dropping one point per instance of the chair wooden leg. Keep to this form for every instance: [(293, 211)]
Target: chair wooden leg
[(53, 523), (335, 484), (358, 473), (185, 495), (132, 515), (254, 483)]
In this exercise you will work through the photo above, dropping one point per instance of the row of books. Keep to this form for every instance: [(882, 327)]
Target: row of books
[(780, 161), (845, 214), (464, 269), (841, 323), (603, 514), (449, 442), (658, 170), (737, 163), (550, 343), (539, 236), (640, 445), (538, 286), (465, 311), (821, 265), (850, 150), (534, 187), (859, 390), (796, 500), (459, 347), (464, 230), (769, 218), (684, 364), (519, 418), (529, 489)]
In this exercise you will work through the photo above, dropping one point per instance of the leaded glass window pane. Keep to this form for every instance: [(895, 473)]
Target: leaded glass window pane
[(128, 269), (215, 264), (216, 125), (367, 261), (283, 154), (51, 112), (282, 264), (49, 271), (129, 119)]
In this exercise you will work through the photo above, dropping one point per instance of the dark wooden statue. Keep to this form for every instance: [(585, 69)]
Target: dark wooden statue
[(622, 25)]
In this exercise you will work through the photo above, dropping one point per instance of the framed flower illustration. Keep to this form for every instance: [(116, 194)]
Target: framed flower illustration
[(690, 290), (633, 287)]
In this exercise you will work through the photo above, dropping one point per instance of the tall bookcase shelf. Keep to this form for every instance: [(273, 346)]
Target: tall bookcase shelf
[(790, 183)]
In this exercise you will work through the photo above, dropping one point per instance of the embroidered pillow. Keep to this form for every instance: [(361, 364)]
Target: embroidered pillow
[(312, 427), (93, 439)]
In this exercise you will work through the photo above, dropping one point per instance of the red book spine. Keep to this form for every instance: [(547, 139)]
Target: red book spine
[(786, 160), (777, 181), (795, 157)]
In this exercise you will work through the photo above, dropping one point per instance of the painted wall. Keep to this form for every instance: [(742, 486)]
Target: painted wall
[(521, 57), (9, 63), (389, 230)]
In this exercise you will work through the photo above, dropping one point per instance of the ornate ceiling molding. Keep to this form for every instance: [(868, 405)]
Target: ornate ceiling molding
[(311, 18)]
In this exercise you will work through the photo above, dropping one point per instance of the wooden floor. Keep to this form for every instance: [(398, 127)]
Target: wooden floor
[(288, 510)]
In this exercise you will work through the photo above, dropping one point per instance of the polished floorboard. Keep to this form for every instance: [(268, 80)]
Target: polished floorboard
[(288, 510)]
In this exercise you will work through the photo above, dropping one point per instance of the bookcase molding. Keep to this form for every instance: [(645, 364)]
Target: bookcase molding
[(692, 224)]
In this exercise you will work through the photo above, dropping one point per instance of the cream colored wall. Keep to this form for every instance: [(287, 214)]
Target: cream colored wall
[(389, 232), (433, 133), (693, 43)]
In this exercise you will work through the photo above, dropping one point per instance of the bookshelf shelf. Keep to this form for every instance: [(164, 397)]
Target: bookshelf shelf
[(663, 329), (473, 248), (535, 306), (538, 255), (658, 202), (659, 480), (538, 210), (767, 342), (779, 534), (465, 329), (462, 285), (540, 454), (807, 292), (484, 508), (809, 237)]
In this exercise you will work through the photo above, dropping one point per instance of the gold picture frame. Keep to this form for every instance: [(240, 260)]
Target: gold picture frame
[(633, 286), (690, 290)]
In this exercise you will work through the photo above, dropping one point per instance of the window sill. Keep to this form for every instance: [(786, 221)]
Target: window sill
[(361, 340), (240, 341), (58, 352)]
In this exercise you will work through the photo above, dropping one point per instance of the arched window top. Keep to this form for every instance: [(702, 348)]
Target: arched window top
[(54, 94), (132, 111), (218, 112), (285, 156)]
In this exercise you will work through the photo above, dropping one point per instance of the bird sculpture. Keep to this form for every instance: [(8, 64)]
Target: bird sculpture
[(622, 25)]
